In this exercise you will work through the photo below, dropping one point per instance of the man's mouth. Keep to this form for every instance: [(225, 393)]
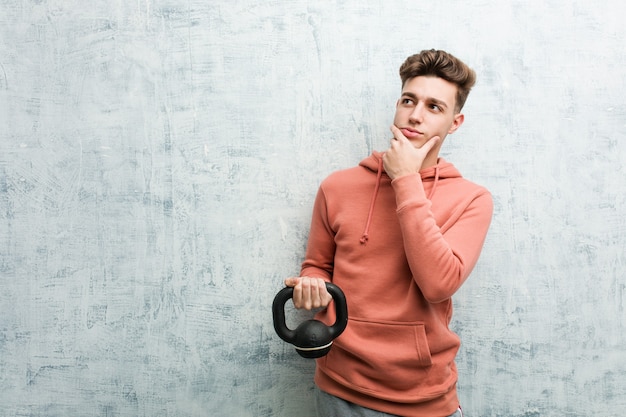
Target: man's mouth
[(411, 133)]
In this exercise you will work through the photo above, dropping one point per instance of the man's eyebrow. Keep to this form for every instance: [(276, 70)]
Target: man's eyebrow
[(432, 100), (409, 95), (438, 102)]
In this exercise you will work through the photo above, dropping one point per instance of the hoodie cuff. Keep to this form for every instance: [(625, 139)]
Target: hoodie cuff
[(409, 189)]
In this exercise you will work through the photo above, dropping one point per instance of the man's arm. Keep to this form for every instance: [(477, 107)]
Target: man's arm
[(310, 288), (441, 260)]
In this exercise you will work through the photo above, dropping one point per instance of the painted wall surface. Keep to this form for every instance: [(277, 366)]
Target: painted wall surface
[(158, 164)]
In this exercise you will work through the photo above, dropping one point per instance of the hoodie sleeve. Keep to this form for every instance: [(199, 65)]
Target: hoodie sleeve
[(320, 252), (441, 259)]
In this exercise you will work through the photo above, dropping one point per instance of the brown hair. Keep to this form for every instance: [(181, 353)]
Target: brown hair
[(443, 65)]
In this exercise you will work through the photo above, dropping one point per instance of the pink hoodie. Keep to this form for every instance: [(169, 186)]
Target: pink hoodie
[(399, 250)]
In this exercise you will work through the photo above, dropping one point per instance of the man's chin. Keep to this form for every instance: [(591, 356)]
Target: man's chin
[(418, 143)]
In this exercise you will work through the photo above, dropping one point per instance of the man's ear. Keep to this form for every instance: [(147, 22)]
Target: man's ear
[(459, 118)]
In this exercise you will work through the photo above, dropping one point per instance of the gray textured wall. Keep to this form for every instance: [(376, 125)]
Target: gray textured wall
[(158, 162)]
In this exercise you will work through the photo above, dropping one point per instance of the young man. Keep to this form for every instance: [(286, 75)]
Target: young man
[(399, 234)]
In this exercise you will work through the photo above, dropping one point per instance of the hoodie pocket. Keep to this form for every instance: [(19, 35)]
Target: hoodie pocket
[(381, 356)]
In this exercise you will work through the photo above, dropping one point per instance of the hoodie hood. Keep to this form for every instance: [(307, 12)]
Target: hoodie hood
[(443, 169), (374, 163)]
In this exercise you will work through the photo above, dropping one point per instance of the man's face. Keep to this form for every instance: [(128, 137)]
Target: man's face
[(426, 109)]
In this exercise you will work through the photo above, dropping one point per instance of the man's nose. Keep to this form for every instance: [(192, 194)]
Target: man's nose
[(417, 115)]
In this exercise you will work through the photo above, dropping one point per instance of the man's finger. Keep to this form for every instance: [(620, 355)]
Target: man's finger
[(321, 294), (397, 134), (291, 281), (306, 293), (297, 296), (432, 142)]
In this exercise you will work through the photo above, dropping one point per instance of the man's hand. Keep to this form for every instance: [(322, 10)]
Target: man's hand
[(309, 293), (402, 157)]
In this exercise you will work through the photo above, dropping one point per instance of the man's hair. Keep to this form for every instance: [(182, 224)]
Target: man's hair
[(443, 65)]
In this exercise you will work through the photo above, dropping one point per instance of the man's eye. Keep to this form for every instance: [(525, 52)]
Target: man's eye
[(435, 107), (407, 101)]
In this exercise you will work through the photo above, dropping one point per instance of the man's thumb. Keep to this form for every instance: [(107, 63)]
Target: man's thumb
[(291, 282), (432, 142)]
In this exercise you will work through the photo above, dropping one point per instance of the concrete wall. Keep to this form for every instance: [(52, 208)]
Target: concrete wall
[(158, 163)]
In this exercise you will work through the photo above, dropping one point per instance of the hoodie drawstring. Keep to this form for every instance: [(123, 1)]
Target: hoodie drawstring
[(432, 190), (379, 174)]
